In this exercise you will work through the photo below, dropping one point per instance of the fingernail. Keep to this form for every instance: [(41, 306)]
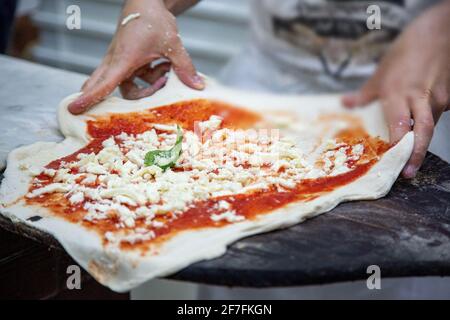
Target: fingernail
[(410, 171), (76, 107), (198, 82), (350, 99), (396, 135)]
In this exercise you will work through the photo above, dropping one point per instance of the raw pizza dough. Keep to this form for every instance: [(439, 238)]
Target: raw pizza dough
[(124, 270)]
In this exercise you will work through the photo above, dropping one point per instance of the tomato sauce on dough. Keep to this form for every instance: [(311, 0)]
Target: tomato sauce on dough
[(197, 216)]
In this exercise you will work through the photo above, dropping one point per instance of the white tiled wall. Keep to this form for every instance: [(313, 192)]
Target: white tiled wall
[(212, 32)]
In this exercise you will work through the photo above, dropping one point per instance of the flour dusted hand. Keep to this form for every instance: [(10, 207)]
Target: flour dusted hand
[(146, 32), (413, 82)]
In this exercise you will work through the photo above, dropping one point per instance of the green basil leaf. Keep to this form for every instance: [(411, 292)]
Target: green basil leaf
[(166, 158)]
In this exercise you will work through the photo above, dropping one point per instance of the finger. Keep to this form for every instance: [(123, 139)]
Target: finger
[(398, 116), (127, 87), (94, 78), (367, 94), (96, 75), (423, 132), (184, 68), (440, 98), (131, 91), (106, 84), (151, 75)]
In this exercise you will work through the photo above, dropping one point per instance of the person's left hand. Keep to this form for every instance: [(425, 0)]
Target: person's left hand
[(413, 82)]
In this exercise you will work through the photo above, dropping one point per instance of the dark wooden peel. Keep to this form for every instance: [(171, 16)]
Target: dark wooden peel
[(406, 233)]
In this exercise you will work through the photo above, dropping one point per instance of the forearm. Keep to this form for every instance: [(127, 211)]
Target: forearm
[(438, 15), (145, 7), (179, 6), (432, 28)]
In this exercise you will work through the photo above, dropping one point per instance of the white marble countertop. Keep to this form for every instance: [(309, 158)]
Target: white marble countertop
[(29, 96)]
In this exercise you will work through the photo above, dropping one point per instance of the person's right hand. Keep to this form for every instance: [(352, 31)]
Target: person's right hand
[(152, 36)]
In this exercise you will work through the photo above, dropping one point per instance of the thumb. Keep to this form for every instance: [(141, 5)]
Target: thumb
[(96, 92), (184, 68), (367, 94)]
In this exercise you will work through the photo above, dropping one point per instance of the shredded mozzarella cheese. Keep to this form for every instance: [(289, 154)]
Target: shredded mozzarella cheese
[(115, 181)]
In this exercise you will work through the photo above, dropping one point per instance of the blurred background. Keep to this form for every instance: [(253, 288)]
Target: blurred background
[(213, 31)]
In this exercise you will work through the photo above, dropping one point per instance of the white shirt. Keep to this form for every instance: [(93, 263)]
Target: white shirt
[(330, 36)]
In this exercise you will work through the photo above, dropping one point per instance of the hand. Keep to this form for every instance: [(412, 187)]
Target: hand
[(413, 82), (151, 36)]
